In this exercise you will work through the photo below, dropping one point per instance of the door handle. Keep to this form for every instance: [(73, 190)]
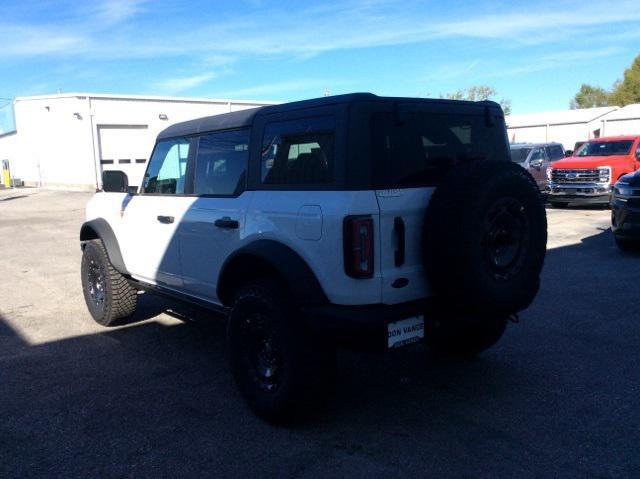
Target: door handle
[(165, 219), (227, 223)]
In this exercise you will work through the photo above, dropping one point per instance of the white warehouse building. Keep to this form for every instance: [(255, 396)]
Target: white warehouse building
[(66, 140), (569, 126), (625, 121)]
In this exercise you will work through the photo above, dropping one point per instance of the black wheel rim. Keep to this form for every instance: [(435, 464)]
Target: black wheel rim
[(96, 283), (506, 238), (262, 351)]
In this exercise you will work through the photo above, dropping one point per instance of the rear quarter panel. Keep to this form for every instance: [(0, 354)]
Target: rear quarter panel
[(284, 216)]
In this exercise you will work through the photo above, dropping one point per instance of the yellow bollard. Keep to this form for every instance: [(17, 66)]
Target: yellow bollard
[(5, 179)]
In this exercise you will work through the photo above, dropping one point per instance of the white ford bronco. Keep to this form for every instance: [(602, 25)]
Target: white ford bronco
[(348, 220)]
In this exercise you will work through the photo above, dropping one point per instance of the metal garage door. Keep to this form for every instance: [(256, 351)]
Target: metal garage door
[(125, 148)]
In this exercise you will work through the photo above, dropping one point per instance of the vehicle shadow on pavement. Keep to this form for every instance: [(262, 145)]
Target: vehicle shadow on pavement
[(554, 397), (16, 197)]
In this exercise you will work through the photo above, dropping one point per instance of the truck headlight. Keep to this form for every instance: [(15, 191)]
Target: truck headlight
[(604, 174), (549, 173)]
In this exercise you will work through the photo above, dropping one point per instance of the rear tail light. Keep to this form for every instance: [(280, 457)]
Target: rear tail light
[(358, 246)]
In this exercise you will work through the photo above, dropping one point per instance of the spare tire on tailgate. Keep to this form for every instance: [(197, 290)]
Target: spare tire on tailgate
[(485, 237)]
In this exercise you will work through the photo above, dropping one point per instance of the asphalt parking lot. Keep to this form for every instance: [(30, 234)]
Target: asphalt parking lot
[(559, 396)]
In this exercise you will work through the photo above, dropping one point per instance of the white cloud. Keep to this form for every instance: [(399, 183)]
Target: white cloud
[(561, 59), (177, 85), (291, 86), (116, 11), (23, 41), (305, 32)]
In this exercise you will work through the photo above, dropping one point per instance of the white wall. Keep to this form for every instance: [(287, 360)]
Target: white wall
[(58, 145), (565, 134), (569, 126), (622, 127), (55, 146), (529, 134)]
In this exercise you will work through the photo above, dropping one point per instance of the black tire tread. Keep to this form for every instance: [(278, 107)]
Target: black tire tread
[(311, 363), (121, 299), (446, 237)]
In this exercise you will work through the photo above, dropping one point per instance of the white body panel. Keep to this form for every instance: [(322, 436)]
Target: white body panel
[(289, 216), (150, 248), (188, 254), (205, 247), (410, 205)]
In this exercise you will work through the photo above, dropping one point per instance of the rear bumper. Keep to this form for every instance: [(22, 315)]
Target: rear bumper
[(361, 327)]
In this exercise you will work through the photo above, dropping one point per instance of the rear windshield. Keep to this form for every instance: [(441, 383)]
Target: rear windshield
[(605, 148), (418, 148), (519, 155)]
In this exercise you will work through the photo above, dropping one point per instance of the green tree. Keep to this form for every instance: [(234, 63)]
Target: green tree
[(627, 90), (479, 93), (589, 97)]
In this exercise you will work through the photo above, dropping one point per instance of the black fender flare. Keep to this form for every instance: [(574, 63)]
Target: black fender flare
[(100, 229), (281, 259)]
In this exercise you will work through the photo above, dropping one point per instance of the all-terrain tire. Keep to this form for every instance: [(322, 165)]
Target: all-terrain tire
[(485, 235), (109, 296), (279, 370)]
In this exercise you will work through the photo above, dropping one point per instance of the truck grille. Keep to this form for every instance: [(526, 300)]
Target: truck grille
[(582, 175)]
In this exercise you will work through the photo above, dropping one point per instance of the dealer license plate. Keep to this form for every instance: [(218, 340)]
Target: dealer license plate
[(405, 331)]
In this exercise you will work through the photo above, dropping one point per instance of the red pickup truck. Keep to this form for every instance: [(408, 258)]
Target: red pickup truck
[(589, 175)]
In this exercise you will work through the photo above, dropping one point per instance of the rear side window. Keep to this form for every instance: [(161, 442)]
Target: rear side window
[(298, 152), (167, 167), (221, 163), (418, 148), (555, 152)]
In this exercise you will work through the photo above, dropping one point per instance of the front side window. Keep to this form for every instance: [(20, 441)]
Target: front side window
[(167, 167), (606, 148), (298, 152), (221, 163)]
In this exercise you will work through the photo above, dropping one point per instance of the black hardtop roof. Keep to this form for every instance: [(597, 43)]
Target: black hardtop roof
[(244, 118)]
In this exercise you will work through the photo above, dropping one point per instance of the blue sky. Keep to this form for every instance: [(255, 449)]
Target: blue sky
[(534, 53)]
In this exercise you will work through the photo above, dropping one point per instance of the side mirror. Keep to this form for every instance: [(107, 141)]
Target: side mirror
[(115, 182), (568, 153), (537, 164), (638, 153)]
